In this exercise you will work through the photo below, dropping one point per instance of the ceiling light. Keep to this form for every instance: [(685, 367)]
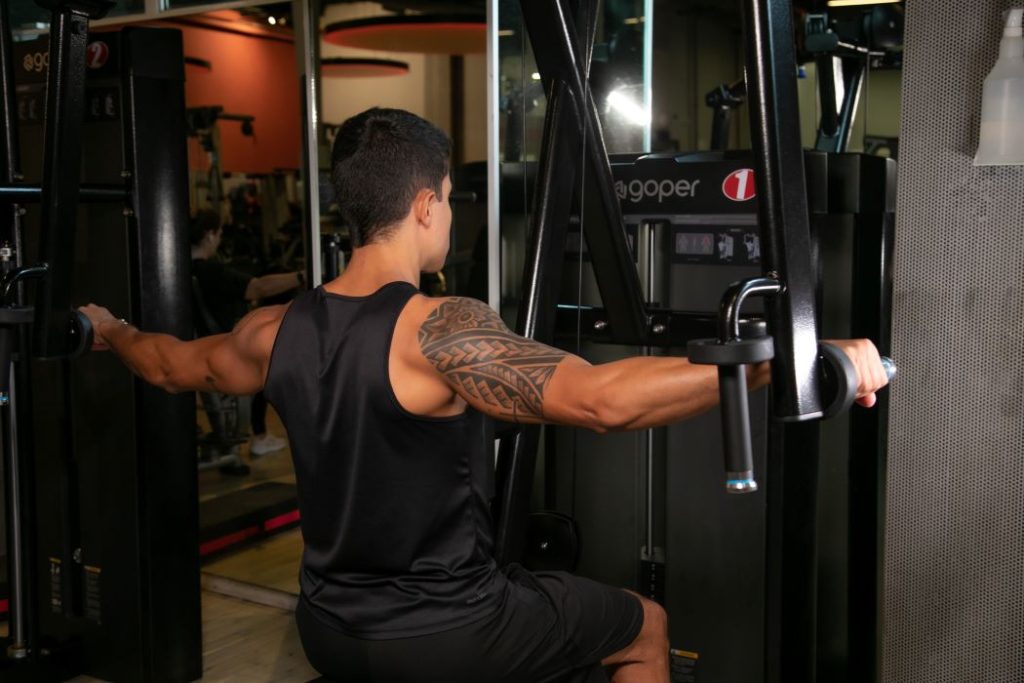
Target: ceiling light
[(272, 21), (633, 21), (853, 3), (535, 76)]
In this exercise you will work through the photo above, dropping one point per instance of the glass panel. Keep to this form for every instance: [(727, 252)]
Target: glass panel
[(244, 147), (520, 129)]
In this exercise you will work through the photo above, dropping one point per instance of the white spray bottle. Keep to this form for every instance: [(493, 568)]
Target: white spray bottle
[(1002, 111)]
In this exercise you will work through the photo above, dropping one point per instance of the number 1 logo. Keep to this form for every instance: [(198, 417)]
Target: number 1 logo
[(739, 185)]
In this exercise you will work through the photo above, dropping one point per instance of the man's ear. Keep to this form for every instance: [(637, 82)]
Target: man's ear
[(422, 205)]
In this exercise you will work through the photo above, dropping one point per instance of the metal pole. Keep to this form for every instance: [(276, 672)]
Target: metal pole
[(19, 647), (493, 162), (649, 434), (306, 15)]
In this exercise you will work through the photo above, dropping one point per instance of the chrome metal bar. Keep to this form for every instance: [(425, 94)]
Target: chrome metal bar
[(306, 14)]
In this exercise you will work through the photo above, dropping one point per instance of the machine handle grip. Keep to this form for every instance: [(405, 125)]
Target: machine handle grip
[(80, 333), (736, 438), (839, 378)]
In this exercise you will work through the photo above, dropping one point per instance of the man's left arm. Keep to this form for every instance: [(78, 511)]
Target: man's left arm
[(233, 363)]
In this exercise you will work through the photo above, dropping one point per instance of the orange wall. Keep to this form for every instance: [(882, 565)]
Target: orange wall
[(250, 76)]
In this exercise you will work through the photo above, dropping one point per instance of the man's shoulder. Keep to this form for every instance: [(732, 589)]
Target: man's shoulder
[(258, 329), (437, 314)]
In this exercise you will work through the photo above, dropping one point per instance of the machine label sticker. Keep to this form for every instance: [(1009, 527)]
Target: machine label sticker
[(93, 601), (97, 54), (739, 185), (56, 594)]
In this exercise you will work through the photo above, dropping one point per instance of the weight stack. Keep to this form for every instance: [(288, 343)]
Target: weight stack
[(954, 538)]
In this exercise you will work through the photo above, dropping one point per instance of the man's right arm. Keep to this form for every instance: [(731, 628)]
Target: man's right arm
[(519, 380), (234, 363)]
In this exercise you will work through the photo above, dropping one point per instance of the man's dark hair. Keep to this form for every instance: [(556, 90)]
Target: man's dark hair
[(204, 221), (382, 158)]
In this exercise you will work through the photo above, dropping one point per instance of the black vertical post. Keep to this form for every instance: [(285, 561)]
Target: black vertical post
[(62, 162), (790, 573), (782, 205), (872, 319), (156, 161)]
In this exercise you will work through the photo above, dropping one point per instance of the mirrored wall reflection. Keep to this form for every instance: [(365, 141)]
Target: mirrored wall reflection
[(411, 65), (620, 85), (247, 247), (427, 58), (699, 96)]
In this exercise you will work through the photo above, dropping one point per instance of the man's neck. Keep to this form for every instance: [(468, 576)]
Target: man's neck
[(374, 266)]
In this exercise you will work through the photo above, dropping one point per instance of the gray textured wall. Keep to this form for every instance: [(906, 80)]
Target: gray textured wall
[(954, 571)]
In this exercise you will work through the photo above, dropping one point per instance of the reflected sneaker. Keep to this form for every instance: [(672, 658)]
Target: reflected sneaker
[(266, 443)]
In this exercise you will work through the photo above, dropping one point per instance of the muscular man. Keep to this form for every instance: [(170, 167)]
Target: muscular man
[(384, 392)]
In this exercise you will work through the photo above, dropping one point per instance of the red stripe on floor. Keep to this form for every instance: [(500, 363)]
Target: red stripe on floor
[(229, 540), (281, 520)]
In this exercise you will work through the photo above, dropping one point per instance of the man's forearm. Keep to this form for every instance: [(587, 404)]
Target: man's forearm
[(644, 392), (143, 353), (270, 285), (669, 390)]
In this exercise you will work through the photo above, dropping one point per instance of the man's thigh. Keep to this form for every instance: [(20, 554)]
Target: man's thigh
[(551, 628)]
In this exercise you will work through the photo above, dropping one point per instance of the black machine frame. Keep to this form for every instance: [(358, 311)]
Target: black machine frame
[(155, 635), (562, 34)]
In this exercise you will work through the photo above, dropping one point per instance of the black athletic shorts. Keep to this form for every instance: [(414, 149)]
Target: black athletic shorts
[(552, 628)]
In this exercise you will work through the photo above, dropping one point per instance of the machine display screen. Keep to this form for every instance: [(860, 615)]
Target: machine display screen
[(695, 243)]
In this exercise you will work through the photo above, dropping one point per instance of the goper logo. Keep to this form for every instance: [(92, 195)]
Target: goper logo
[(739, 185), (638, 190), (97, 54)]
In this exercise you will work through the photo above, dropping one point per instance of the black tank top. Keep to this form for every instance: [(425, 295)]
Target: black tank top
[(395, 506)]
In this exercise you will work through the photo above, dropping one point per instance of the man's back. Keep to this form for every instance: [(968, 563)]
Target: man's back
[(394, 505)]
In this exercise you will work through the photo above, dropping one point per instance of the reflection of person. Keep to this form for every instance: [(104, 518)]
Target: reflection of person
[(226, 292), (384, 392)]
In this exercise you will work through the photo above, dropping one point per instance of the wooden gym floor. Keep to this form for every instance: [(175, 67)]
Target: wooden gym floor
[(246, 642)]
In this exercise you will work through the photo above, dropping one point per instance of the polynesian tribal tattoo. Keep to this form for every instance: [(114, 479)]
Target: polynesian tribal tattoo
[(470, 345)]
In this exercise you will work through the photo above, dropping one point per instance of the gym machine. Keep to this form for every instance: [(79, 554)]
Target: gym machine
[(778, 628), (99, 468), (842, 48)]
